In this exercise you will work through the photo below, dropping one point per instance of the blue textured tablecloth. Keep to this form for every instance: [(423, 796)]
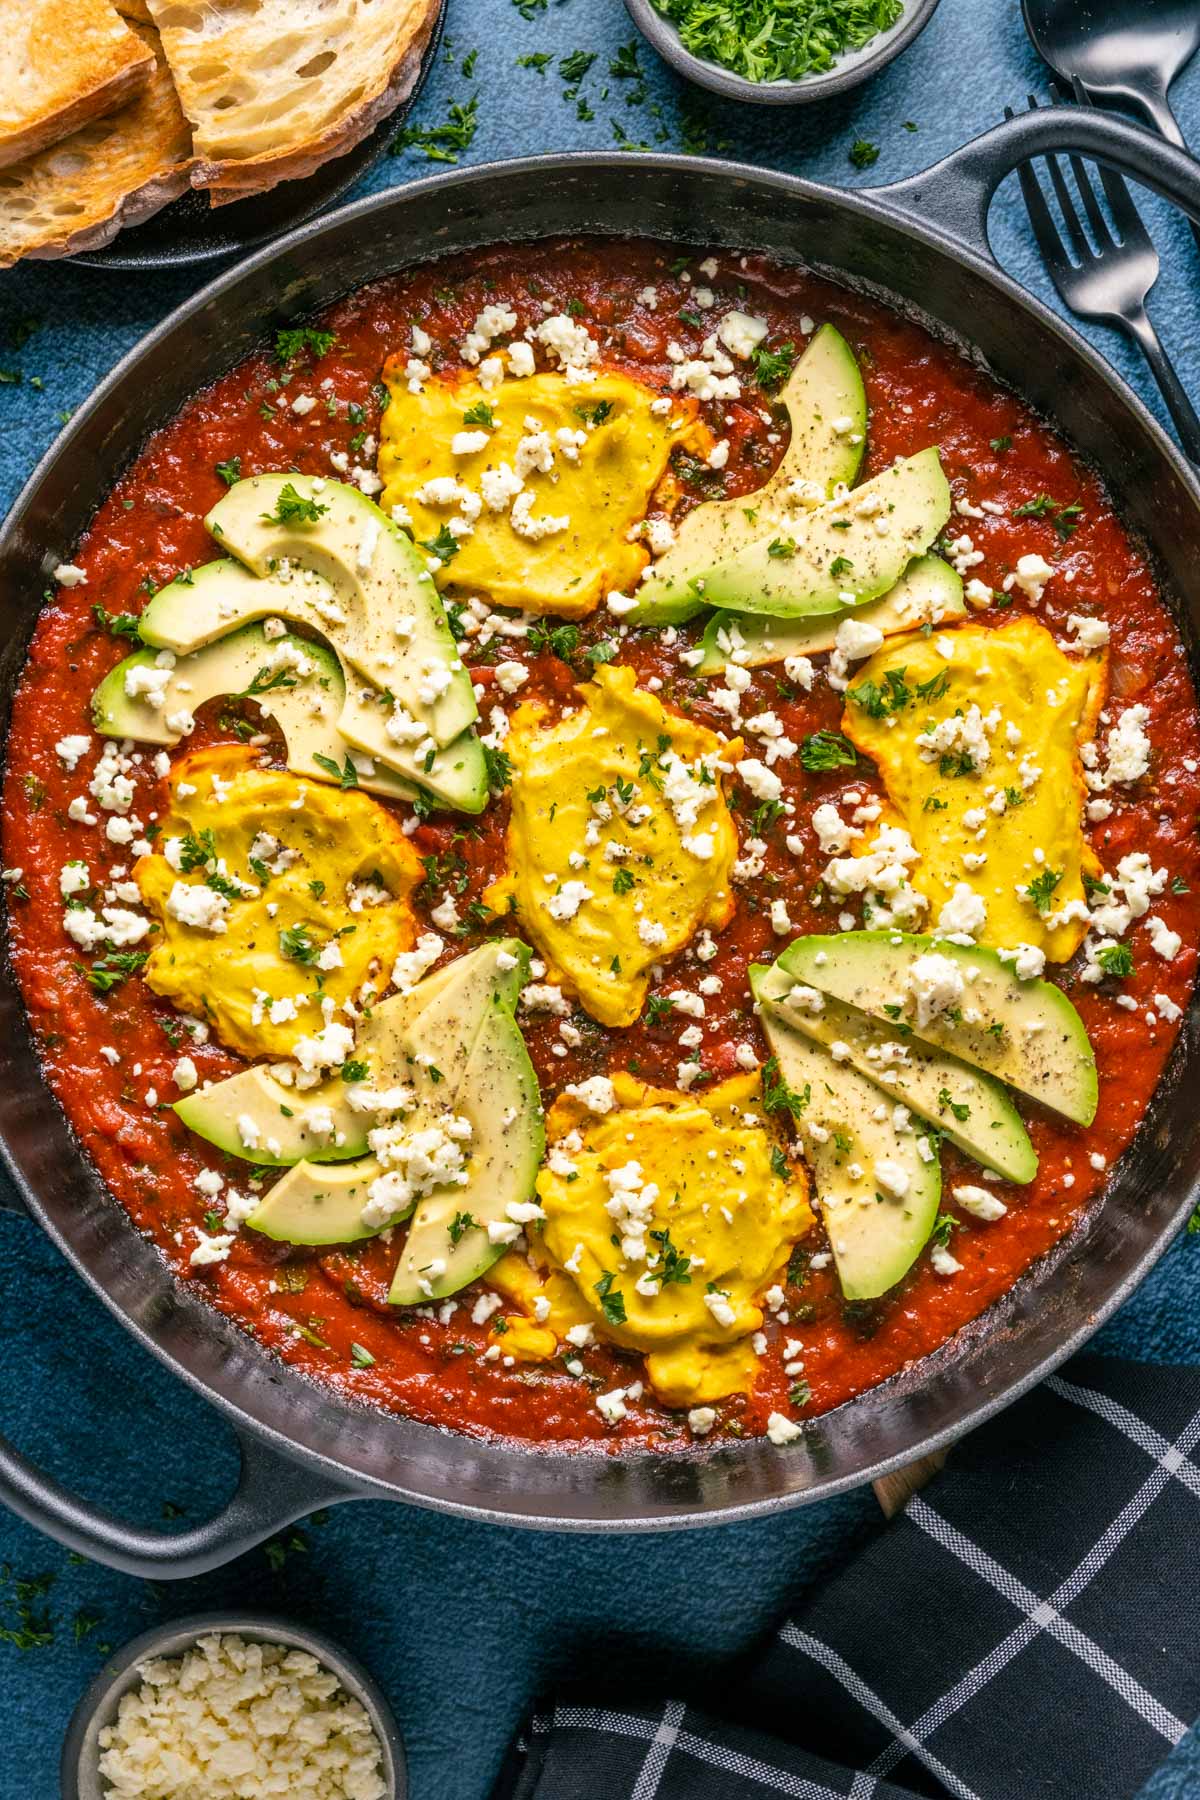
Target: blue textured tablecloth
[(461, 1622)]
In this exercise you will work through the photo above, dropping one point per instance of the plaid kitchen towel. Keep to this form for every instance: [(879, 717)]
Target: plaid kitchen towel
[(1026, 1627)]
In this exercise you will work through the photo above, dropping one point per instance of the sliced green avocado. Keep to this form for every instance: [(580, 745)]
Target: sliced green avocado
[(455, 775), (306, 696), (837, 549), (967, 1107), (826, 405), (316, 1204), (393, 627), (1026, 1033), (500, 1098), (319, 1124), (430, 1039), (845, 1129), (929, 589)]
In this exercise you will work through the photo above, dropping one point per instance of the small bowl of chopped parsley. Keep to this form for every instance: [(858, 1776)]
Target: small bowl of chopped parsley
[(779, 52)]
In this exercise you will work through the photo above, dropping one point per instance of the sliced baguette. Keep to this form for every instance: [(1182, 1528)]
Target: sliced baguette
[(116, 171), (274, 91), (62, 64)]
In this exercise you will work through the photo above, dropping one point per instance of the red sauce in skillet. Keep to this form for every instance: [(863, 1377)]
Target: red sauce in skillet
[(921, 391)]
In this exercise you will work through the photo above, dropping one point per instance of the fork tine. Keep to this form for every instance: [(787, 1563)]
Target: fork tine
[(1075, 231), (1045, 231), (1125, 214)]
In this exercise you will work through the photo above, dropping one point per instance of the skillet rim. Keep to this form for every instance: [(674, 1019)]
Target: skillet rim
[(892, 206)]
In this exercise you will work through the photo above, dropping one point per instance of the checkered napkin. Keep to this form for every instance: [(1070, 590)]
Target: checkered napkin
[(1029, 1626)]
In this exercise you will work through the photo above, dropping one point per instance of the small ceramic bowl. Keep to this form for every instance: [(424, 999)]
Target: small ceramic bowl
[(853, 67), (79, 1769)]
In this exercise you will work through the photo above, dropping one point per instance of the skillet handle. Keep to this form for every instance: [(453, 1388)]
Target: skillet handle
[(272, 1492), (955, 194)]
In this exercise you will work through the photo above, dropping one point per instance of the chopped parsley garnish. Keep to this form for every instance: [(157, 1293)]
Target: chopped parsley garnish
[(1115, 959), (575, 64), (296, 944), (439, 143), (267, 681), (562, 640), (763, 41), (841, 565), (943, 1225), (1001, 444), (230, 472), (612, 1300), (772, 367), (480, 414), (346, 776), (877, 702), (119, 624), (824, 750), (781, 547), (1041, 888), (499, 769), (863, 153), (935, 687), (1064, 516), (355, 1071), (460, 1224), (779, 1163), (109, 971), (670, 1267), (623, 881), (293, 508), (956, 762), (444, 546), (777, 1096), (538, 60), (947, 1103), (933, 804), (197, 851), (595, 415), (290, 343), (658, 1007), (362, 1359)]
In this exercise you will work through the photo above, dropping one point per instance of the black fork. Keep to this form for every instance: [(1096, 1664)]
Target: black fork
[(1105, 277)]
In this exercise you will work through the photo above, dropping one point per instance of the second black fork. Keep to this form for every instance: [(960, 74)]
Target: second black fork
[(1105, 277)]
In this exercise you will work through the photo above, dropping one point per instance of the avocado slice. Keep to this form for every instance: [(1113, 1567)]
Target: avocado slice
[(315, 1204), (836, 549), (311, 711), (1027, 1034), (455, 1038), (499, 1095), (875, 1236), (967, 1107), (928, 589), (825, 388), (283, 1117), (393, 626)]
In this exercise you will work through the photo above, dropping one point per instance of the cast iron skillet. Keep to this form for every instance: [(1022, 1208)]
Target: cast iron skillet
[(923, 243)]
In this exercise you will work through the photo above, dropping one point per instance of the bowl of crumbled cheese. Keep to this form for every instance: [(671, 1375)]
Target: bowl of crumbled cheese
[(225, 1708)]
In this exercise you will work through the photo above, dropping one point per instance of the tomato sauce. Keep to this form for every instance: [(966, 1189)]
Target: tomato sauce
[(310, 1308)]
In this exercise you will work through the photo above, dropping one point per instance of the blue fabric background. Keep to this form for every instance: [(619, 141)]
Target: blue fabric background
[(463, 1623)]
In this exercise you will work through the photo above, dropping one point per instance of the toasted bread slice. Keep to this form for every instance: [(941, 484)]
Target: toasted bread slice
[(116, 171), (134, 9), (62, 63), (274, 90)]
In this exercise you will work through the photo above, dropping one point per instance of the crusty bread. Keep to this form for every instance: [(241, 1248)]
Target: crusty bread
[(62, 63), (274, 88), (116, 171)]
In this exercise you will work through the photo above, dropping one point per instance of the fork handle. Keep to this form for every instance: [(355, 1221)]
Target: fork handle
[(1187, 424)]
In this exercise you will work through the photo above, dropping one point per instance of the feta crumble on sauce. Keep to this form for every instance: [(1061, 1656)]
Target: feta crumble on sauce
[(1033, 536)]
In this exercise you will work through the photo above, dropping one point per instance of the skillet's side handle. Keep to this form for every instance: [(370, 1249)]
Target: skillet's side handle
[(955, 194), (272, 1492)]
